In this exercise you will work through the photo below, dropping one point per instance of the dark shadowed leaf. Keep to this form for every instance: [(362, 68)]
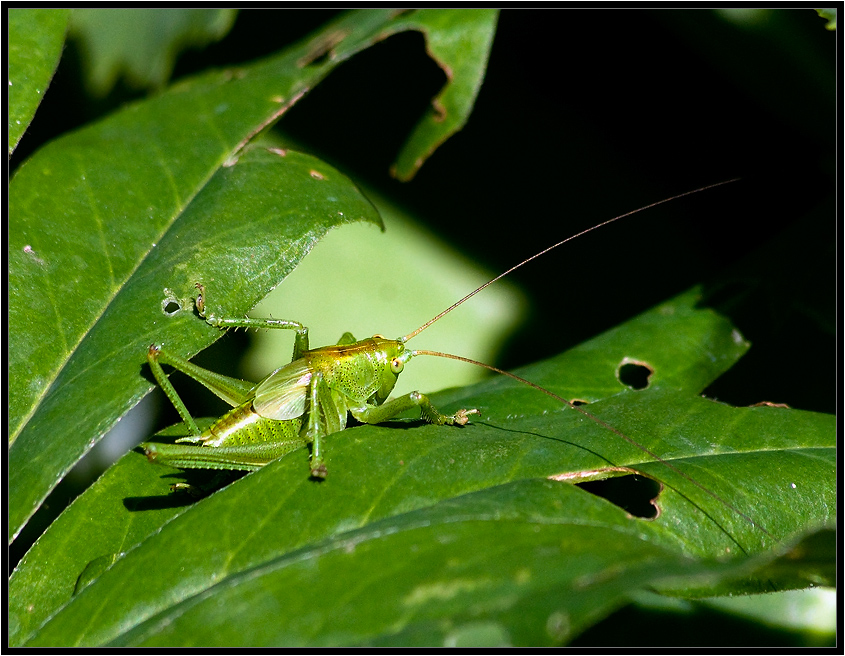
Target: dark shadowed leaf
[(459, 41)]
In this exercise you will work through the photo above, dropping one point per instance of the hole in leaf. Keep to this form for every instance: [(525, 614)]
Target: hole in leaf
[(579, 402), (170, 307), (633, 493), (634, 374)]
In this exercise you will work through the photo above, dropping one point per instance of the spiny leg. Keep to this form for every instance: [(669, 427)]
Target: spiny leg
[(233, 391), (300, 343), (375, 414), (244, 457), (163, 381)]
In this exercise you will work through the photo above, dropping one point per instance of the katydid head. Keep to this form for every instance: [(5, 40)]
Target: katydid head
[(393, 356)]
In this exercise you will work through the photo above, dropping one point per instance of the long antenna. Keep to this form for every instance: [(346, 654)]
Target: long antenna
[(601, 422), (546, 250)]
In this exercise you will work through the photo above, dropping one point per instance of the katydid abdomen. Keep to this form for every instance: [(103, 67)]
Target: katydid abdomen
[(240, 440)]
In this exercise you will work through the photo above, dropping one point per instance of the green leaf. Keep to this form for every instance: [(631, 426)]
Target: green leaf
[(553, 564), (142, 43), (811, 610), (459, 40), (36, 38), (114, 223), (487, 569), (789, 618), (234, 237), (410, 508), (830, 15), (100, 525)]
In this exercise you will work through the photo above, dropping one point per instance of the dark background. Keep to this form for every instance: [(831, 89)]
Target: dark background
[(583, 115)]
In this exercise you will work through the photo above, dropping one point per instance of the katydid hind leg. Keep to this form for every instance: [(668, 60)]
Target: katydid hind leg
[(233, 391), (249, 457), (153, 356)]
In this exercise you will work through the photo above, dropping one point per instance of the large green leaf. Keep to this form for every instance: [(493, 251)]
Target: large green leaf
[(526, 564), (110, 223), (87, 537), (36, 38), (401, 490)]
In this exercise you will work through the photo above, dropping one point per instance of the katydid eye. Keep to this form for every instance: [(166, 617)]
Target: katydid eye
[(396, 365)]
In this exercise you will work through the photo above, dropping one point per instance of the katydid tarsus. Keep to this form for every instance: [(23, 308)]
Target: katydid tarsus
[(302, 402)]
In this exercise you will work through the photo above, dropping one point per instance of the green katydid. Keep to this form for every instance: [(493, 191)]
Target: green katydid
[(298, 404), (302, 402)]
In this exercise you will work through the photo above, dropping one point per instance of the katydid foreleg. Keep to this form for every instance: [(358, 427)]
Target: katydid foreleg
[(380, 413)]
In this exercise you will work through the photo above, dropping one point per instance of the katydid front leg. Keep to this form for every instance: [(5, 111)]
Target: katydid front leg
[(375, 414)]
